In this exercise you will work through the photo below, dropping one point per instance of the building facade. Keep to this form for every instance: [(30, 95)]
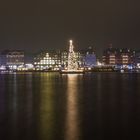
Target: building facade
[(48, 60), (12, 58), (119, 57), (55, 60), (137, 59), (89, 58)]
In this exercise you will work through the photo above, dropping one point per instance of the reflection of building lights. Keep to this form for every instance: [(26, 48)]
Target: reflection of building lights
[(72, 130)]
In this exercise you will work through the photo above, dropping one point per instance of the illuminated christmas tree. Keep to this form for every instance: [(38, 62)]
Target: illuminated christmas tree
[(72, 62)]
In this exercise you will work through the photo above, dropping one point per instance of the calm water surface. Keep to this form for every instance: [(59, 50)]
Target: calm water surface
[(49, 106)]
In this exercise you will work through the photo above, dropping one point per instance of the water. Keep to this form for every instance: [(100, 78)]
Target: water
[(50, 106)]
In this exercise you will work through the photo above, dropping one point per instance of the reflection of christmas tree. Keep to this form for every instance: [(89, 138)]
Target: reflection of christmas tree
[(72, 62)]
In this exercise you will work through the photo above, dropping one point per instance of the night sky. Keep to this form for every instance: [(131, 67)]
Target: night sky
[(37, 25)]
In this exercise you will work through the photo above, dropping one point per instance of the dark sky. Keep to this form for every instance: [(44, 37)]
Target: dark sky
[(37, 25)]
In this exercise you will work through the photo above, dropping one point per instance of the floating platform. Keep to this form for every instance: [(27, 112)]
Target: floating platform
[(72, 72)]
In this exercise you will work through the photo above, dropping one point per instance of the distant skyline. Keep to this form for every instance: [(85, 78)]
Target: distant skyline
[(33, 26)]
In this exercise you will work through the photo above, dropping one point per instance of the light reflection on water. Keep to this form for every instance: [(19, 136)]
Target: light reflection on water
[(72, 120), (46, 108), (49, 106), (14, 103)]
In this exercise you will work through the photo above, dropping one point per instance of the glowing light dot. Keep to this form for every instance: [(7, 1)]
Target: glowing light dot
[(71, 41)]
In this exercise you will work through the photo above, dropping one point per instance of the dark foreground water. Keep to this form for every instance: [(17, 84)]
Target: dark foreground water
[(49, 106)]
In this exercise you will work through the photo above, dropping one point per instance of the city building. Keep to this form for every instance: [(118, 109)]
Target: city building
[(64, 59), (55, 60), (119, 57), (89, 58), (137, 59), (12, 58), (49, 60)]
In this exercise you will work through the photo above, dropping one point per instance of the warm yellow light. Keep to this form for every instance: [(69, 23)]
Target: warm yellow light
[(71, 42)]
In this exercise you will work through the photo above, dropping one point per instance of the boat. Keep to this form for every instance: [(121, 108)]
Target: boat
[(72, 71)]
